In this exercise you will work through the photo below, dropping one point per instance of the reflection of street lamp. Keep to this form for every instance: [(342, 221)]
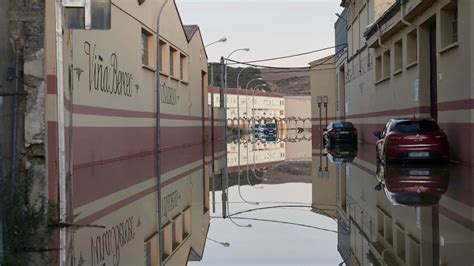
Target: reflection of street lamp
[(224, 244)]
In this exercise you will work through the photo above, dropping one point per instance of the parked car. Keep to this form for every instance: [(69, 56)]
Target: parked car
[(412, 139), (340, 132), (270, 129), (341, 153), (413, 184), (258, 128)]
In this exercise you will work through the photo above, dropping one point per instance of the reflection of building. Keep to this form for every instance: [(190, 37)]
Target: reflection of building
[(115, 181), (298, 149), (260, 154), (299, 108), (324, 176), (402, 61), (384, 234)]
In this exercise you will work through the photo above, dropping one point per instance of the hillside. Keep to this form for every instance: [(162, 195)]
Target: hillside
[(280, 81), (288, 83)]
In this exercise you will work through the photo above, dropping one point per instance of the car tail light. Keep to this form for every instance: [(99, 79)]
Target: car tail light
[(332, 133), (354, 131), (440, 136), (394, 138)]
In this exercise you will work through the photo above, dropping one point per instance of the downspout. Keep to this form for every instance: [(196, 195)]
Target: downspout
[(14, 123), (158, 134), (61, 134), (380, 38), (402, 13)]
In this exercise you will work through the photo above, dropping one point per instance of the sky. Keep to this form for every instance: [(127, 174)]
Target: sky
[(270, 28)]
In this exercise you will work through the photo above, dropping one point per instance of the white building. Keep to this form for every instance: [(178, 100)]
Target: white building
[(252, 103)]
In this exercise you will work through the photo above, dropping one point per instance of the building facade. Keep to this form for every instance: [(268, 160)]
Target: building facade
[(402, 61), (323, 96), (106, 126)]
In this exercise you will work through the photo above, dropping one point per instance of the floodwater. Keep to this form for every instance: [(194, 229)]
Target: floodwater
[(282, 200), (295, 203)]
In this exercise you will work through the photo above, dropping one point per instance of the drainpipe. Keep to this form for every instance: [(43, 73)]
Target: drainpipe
[(158, 134), (61, 131), (380, 38), (402, 13), (14, 137)]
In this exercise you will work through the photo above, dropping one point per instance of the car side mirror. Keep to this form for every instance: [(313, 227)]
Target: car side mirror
[(378, 134)]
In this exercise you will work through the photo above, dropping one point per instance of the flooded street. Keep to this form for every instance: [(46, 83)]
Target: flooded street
[(338, 206)]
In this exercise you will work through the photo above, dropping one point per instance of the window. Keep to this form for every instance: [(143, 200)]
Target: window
[(147, 48), (183, 67), (378, 68), (177, 230), (400, 245), (388, 230), (449, 24), (398, 56), (162, 55), (414, 251), (173, 53), (187, 222), (412, 48), (386, 65)]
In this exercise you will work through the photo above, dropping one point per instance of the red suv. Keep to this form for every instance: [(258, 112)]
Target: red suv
[(412, 139)]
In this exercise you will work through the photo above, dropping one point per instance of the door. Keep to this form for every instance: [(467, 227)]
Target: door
[(433, 73)]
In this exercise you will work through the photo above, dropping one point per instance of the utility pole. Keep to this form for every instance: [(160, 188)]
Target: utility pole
[(224, 174)]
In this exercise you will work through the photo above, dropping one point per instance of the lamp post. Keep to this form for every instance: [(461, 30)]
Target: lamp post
[(223, 39), (253, 129), (224, 62), (238, 122)]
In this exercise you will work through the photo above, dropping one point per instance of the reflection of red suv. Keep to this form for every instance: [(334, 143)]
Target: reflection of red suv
[(405, 139), (414, 184)]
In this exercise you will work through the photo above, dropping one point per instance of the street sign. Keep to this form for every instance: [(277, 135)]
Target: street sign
[(88, 14)]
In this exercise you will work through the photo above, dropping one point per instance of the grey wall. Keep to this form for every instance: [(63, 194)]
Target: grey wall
[(340, 28)]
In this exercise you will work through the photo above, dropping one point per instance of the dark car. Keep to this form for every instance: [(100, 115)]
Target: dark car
[(412, 139), (414, 184), (342, 153), (340, 132), (270, 129)]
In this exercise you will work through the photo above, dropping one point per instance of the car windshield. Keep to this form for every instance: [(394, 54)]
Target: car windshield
[(342, 125), (417, 126)]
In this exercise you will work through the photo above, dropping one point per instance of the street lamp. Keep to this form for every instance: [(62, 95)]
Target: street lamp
[(224, 61), (223, 39), (238, 123)]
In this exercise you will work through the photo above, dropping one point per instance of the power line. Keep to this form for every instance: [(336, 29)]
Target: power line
[(324, 62), (288, 223), (262, 66), (294, 55)]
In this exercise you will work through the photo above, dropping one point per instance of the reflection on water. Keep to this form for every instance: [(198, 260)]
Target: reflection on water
[(413, 184), (280, 202), (338, 206)]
